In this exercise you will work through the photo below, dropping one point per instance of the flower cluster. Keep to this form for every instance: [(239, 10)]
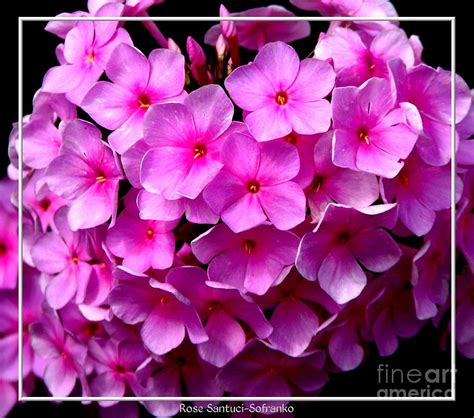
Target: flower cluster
[(209, 226)]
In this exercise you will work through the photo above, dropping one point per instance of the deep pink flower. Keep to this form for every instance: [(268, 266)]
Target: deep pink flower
[(8, 238), (432, 269), (334, 184), (393, 315), (430, 91), (158, 306), (142, 244), (420, 190), (86, 174), (344, 237), (355, 62), (40, 201), (66, 357), (260, 370), (65, 256), (185, 141), (255, 34), (222, 308), (256, 181), (32, 300), (273, 91), (137, 84), (370, 135), (115, 363), (87, 48), (250, 261)]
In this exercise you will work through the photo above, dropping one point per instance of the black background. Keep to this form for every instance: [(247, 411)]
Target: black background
[(421, 352)]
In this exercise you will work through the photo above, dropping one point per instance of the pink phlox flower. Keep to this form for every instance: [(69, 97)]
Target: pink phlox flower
[(254, 35), (137, 83), (370, 134), (420, 191), (186, 142), (86, 174), (8, 238), (355, 61), (257, 180), (115, 364), (273, 92), (430, 91), (142, 244), (298, 308), (64, 256), (87, 48), (221, 308), (465, 219), (66, 357), (344, 238), (138, 299), (251, 261), (334, 184)]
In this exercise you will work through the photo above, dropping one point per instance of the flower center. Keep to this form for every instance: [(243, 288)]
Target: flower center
[(75, 259), (120, 369), (91, 57), (149, 233), (317, 182), (100, 177), (45, 204), (249, 245), (281, 98), (164, 299), (364, 135), (253, 186), (144, 101), (91, 328), (343, 237), (213, 305), (199, 150), (291, 138), (3, 248)]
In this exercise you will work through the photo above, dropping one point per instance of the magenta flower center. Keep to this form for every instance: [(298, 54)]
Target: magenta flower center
[(75, 259), (281, 98), (317, 182), (164, 300), (364, 135), (45, 204), (91, 328), (403, 178), (200, 151), (3, 248), (144, 101), (149, 233), (100, 178), (291, 138), (249, 245), (120, 369), (343, 237), (253, 186), (213, 305)]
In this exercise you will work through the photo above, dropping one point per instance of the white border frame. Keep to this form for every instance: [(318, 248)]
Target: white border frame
[(22, 19)]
